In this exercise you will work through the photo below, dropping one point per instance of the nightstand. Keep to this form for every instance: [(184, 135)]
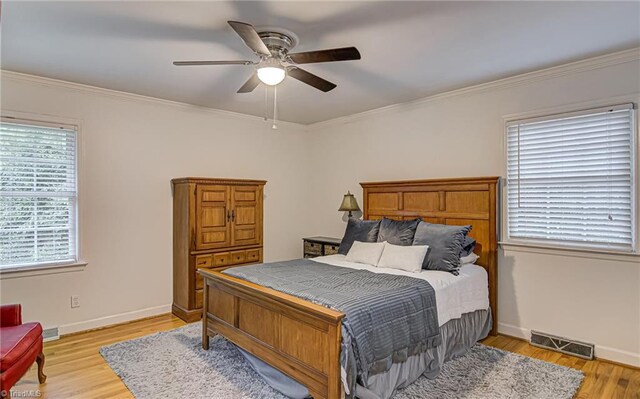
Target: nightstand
[(320, 246)]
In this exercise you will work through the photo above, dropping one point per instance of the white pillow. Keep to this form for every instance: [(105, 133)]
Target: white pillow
[(471, 258), (400, 257), (365, 252)]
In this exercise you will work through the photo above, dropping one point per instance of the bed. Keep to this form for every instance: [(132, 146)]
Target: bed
[(302, 339)]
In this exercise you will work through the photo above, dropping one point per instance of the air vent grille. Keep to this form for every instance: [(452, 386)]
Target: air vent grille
[(50, 334), (563, 345)]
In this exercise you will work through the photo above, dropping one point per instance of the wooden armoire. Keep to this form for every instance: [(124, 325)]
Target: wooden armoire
[(217, 223)]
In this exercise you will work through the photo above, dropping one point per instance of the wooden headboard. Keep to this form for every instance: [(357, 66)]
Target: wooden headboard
[(459, 201)]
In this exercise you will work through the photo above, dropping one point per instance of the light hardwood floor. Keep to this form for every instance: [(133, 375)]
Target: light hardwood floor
[(75, 369)]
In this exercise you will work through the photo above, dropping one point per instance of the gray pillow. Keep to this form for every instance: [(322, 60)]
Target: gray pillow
[(468, 246), (398, 232), (359, 230), (445, 243)]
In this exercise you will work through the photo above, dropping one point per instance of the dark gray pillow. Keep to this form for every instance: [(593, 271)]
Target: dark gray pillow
[(445, 243), (468, 246), (398, 232), (359, 230)]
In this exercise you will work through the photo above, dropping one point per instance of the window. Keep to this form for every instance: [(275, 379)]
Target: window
[(38, 194), (570, 179)]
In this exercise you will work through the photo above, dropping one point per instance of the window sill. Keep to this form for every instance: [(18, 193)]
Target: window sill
[(39, 270), (632, 257)]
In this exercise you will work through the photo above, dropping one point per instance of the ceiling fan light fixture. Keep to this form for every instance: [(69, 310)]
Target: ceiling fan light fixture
[(271, 75), (276, 62)]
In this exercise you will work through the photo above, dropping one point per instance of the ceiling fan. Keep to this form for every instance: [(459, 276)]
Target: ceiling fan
[(275, 60)]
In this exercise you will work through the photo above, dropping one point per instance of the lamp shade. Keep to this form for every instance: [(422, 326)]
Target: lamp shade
[(349, 203)]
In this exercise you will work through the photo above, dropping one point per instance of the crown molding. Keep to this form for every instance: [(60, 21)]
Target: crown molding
[(122, 95), (588, 64), (599, 62)]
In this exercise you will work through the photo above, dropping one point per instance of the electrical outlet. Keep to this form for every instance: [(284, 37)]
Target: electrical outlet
[(75, 301)]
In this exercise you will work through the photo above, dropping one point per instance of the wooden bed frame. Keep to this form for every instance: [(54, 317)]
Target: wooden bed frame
[(302, 339)]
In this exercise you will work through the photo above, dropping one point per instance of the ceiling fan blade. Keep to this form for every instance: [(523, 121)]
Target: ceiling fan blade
[(188, 63), (311, 79), (331, 55), (250, 37), (250, 84)]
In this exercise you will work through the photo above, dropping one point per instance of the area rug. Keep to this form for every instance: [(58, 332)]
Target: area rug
[(173, 364)]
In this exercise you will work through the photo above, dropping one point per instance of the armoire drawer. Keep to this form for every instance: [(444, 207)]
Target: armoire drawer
[(203, 261), (222, 259), (238, 257), (253, 255)]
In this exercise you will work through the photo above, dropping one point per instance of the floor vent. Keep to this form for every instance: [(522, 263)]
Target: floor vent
[(564, 345), (50, 334)]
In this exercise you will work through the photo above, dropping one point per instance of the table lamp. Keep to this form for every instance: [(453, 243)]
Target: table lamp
[(349, 204)]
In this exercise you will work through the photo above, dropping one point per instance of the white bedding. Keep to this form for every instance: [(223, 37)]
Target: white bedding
[(455, 295)]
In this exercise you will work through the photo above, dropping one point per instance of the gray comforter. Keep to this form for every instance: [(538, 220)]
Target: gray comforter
[(388, 318)]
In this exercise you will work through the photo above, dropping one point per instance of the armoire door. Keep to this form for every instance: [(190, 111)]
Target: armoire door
[(246, 216), (213, 217)]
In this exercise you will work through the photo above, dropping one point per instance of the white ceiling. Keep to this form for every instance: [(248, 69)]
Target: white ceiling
[(409, 49)]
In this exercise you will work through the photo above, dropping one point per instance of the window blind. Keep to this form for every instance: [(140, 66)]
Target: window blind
[(570, 179), (38, 194)]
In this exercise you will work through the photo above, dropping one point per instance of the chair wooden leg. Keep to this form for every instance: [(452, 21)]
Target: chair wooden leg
[(40, 360)]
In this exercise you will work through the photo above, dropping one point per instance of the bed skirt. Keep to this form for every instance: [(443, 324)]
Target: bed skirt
[(458, 335)]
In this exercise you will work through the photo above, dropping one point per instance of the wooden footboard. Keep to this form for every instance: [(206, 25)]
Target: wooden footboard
[(297, 337)]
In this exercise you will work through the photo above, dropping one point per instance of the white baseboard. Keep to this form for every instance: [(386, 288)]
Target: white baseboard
[(113, 319), (602, 352), (617, 355), (514, 331)]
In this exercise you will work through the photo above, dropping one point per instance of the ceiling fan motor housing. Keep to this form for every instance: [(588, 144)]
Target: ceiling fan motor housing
[(278, 43)]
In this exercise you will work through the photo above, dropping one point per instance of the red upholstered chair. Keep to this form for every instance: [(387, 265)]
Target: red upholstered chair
[(20, 346)]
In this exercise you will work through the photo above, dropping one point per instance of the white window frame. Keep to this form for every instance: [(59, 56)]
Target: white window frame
[(572, 249), (34, 269)]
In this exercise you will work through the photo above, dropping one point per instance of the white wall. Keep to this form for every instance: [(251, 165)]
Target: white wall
[(461, 134), (132, 147)]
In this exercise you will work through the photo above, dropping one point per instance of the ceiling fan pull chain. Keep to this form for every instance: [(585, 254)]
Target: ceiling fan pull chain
[(275, 107), (266, 103)]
